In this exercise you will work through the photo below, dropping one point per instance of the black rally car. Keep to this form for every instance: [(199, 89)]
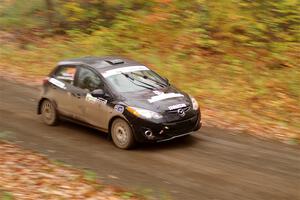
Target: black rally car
[(118, 96)]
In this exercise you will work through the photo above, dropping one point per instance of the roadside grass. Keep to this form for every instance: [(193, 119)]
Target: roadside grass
[(126, 195), (239, 92), (90, 175), (4, 195), (3, 135), (154, 194), (6, 135)]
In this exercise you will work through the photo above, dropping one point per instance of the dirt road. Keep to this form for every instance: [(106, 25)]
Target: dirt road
[(212, 164)]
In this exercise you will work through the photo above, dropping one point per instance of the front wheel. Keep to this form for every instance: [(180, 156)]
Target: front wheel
[(49, 113), (121, 134)]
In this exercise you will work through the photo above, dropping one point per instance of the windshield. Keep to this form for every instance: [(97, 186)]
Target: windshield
[(136, 81)]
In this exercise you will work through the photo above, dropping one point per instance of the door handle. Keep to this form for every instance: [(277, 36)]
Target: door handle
[(78, 95)]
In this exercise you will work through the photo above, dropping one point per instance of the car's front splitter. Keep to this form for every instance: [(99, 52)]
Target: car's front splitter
[(174, 137)]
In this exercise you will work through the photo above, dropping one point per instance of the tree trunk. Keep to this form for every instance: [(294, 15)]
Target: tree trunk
[(50, 13)]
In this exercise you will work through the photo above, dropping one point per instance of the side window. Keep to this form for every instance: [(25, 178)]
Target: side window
[(66, 74), (87, 79)]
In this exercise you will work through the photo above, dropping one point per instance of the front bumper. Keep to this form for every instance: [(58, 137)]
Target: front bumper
[(164, 131)]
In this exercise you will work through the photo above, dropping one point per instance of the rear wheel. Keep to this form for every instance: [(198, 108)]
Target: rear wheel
[(49, 113), (121, 134)]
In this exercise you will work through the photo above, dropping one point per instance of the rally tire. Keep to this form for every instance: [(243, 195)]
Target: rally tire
[(49, 113), (122, 135)]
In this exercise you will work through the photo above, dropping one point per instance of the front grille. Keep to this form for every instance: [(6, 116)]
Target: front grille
[(181, 126), (182, 123), (173, 116)]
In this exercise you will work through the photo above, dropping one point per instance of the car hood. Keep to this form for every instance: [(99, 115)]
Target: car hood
[(158, 100)]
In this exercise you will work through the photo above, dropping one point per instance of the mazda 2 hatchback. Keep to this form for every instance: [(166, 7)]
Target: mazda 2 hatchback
[(118, 96)]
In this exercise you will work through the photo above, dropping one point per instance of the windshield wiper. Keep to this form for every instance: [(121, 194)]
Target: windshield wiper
[(151, 87), (147, 77)]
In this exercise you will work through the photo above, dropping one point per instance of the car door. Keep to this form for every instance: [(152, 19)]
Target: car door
[(61, 82), (90, 109)]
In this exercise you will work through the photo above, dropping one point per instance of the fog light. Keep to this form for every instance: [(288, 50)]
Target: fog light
[(148, 133)]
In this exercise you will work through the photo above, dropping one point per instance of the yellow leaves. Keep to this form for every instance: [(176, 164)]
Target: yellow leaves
[(291, 2), (164, 1), (73, 11), (156, 17)]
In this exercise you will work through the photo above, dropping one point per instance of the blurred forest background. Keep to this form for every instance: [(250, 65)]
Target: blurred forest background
[(240, 58)]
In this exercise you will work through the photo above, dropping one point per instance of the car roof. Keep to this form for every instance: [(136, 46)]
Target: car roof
[(101, 64)]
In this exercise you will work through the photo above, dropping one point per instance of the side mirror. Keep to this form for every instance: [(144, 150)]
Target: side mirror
[(98, 93)]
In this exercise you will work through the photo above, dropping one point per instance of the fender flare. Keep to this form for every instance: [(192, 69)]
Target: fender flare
[(120, 117)]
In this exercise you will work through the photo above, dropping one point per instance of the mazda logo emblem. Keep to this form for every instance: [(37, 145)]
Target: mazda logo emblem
[(181, 112)]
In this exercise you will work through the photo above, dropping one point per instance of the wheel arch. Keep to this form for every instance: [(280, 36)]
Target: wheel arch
[(119, 117)]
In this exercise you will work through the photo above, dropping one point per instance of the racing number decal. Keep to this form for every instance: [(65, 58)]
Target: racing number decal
[(119, 108)]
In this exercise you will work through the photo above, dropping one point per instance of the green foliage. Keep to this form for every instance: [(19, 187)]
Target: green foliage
[(21, 14), (126, 195), (6, 195), (273, 25), (90, 175)]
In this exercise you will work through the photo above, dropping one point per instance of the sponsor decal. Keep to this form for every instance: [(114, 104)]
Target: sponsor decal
[(57, 83), (102, 101), (163, 96), (119, 108), (123, 70), (158, 92), (67, 78), (174, 107), (92, 99)]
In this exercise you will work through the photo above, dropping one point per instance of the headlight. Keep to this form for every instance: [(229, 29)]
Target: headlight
[(147, 114), (195, 103)]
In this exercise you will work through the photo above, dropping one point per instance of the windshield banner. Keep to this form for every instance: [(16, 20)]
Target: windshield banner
[(123, 70)]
